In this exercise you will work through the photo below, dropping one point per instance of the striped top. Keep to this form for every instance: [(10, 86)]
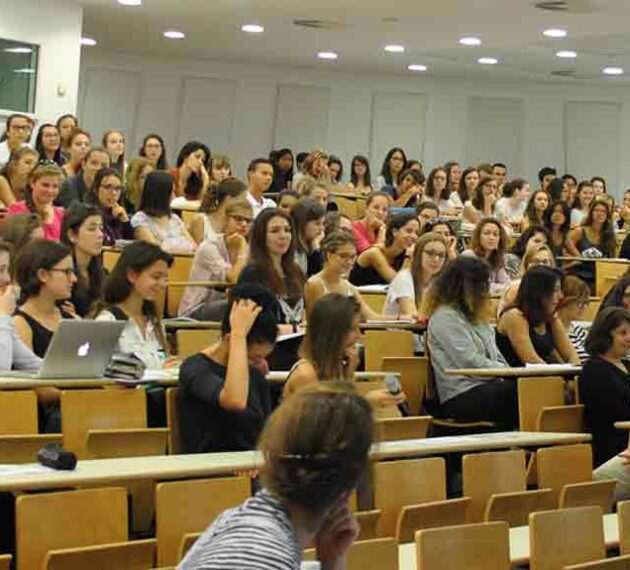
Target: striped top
[(577, 336), (256, 535)]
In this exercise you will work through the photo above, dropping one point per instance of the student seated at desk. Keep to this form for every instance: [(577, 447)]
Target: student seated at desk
[(82, 232), (378, 265), (223, 398), (619, 295), (574, 302), (131, 293), (370, 229), (316, 449), (308, 219), (530, 331), (330, 349), (532, 237), (605, 383), (460, 336), (220, 257)]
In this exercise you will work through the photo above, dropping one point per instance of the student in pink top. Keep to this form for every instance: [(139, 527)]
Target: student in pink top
[(370, 229), (42, 189)]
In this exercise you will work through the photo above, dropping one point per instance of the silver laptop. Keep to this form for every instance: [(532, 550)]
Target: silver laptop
[(79, 349)]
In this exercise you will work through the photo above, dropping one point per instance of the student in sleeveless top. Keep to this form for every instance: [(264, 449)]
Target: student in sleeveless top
[(378, 265), (316, 450), (223, 396), (212, 218), (45, 274), (594, 239), (330, 351), (82, 232), (370, 229), (340, 252), (132, 292), (558, 222), (530, 331)]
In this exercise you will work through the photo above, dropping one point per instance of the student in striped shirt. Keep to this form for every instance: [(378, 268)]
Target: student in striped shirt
[(316, 448), (571, 309)]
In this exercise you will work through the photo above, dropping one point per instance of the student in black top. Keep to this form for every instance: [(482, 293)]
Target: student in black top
[(308, 219), (82, 231), (223, 397), (605, 382), (530, 331), (107, 193)]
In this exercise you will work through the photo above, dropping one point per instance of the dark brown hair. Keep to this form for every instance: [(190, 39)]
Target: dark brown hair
[(600, 339), (496, 257)]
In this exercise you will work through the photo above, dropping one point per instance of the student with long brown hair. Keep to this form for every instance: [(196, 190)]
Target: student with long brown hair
[(78, 188), (79, 144), (66, 124), (114, 143), (106, 193), (371, 228), (14, 175), (135, 177)]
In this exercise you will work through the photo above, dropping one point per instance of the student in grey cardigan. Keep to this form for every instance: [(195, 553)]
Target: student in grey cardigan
[(459, 336)]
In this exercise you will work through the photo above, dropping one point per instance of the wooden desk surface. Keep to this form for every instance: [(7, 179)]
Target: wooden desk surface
[(384, 325), (622, 425), (163, 467), (519, 544), (210, 284), (619, 260), (549, 370), (282, 375), (174, 325)]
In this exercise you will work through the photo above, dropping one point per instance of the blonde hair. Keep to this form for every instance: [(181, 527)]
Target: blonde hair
[(530, 252), (135, 167)]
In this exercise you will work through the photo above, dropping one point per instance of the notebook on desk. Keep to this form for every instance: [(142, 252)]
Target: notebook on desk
[(79, 349)]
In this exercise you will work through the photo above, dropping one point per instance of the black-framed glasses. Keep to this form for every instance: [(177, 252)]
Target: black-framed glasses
[(68, 271), (112, 188)]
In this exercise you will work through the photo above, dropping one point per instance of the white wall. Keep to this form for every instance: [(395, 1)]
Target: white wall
[(355, 112), (56, 28)]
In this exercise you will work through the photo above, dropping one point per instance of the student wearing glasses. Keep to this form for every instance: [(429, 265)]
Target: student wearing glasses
[(18, 132), (443, 228), (106, 193), (220, 257), (574, 302)]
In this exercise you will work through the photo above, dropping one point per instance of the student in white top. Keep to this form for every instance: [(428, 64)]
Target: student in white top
[(393, 165), (482, 204), (466, 189), (212, 213), (436, 191), (259, 178), (583, 199), (405, 292), (18, 132), (514, 201), (131, 294)]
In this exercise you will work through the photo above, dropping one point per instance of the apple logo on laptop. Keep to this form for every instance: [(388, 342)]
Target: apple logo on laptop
[(83, 349)]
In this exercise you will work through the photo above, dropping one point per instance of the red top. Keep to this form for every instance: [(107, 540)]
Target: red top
[(362, 236), (52, 230)]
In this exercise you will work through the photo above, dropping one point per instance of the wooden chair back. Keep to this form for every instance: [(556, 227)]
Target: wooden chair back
[(379, 344), (187, 543), (482, 546), (135, 555), (407, 482), (5, 561), (515, 508), (563, 419), (381, 553), (592, 309), (111, 443), (623, 517), (606, 276), (413, 372), (430, 515), (172, 421), (24, 448), (70, 519), (188, 216), (192, 341), (190, 506), (534, 394), (111, 408), (394, 429), (179, 271), (616, 563), (486, 474), (368, 521), (363, 387), (565, 536), (347, 206), (592, 493), (562, 465), (110, 259), (18, 412)]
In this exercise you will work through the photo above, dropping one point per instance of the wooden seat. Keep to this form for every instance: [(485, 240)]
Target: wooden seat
[(188, 541), (98, 410), (381, 553), (190, 506), (567, 419), (5, 561), (616, 563), (514, 508), (179, 271), (537, 394), (126, 443), (71, 519), (590, 493), (379, 344), (192, 341), (565, 536), (368, 521), (403, 483), (563, 465), (188, 216), (413, 372), (606, 276), (482, 546), (430, 515), (393, 429), (623, 517), (172, 420), (136, 555), (486, 474)]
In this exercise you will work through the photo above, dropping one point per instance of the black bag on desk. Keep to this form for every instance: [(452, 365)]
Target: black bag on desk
[(125, 366)]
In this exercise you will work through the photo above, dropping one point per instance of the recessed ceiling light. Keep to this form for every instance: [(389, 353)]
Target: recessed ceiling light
[(330, 55), (24, 70), (130, 2), (417, 67), (566, 54), (19, 50), (488, 60), (555, 33), (394, 48), (612, 71), (174, 35), (470, 41), (88, 42), (252, 29)]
